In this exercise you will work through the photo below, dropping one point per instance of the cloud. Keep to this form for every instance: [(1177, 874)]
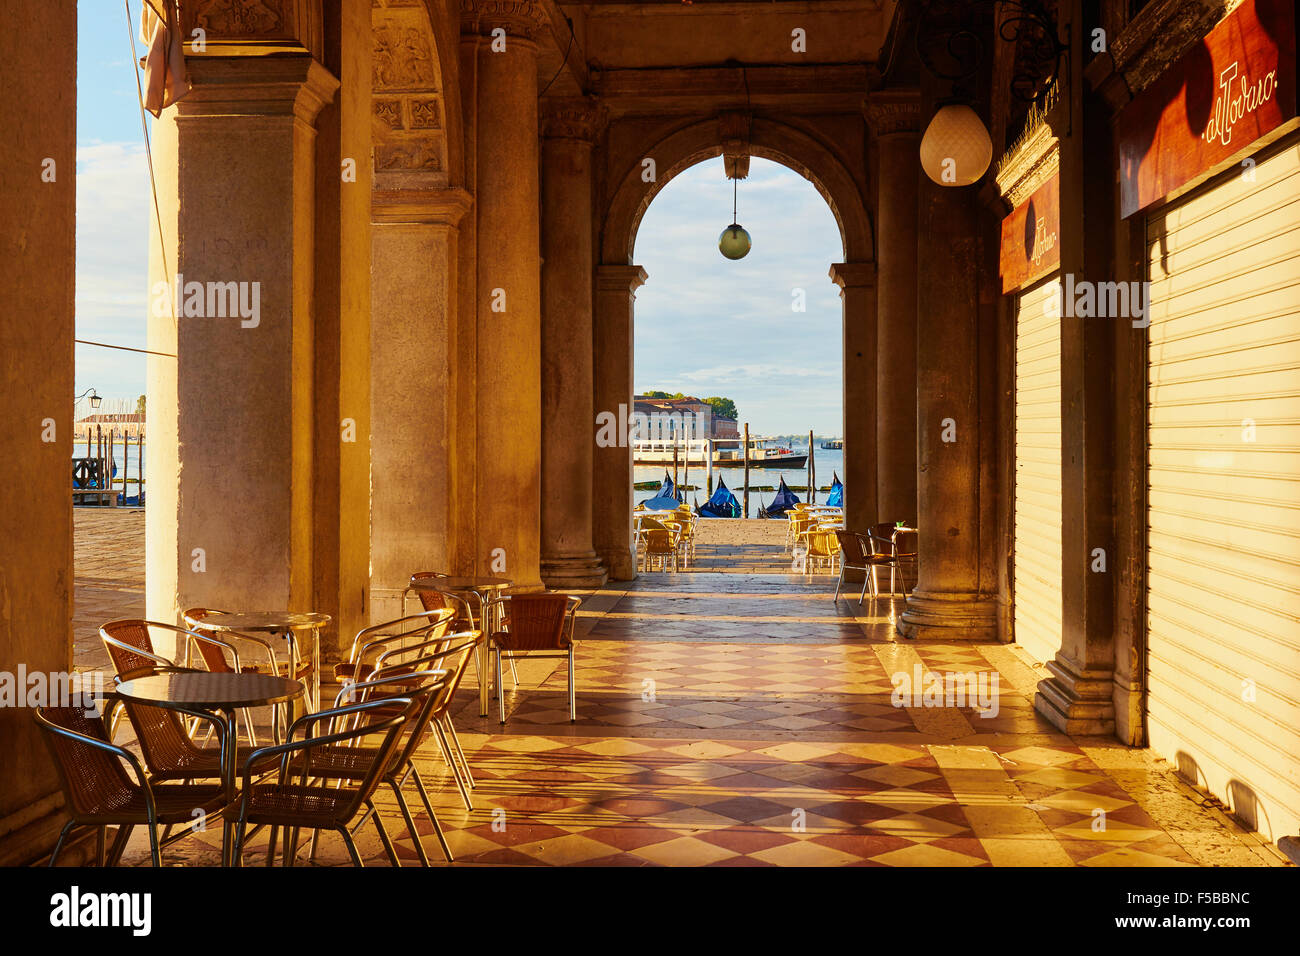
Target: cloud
[(707, 326), (114, 204)]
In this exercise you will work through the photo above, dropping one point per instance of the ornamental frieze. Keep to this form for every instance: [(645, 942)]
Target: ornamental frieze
[(894, 112), (238, 27), (519, 18), (571, 119)]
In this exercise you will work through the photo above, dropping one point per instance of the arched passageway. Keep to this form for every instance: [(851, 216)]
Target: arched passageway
[(634, 177), (764, 331)]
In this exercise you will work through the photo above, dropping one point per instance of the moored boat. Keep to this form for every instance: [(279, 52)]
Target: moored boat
[(785, 500), (727, 452), (723, 504)]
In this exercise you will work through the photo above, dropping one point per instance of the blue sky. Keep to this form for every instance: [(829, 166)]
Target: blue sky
[(704, 325), (113, 205)]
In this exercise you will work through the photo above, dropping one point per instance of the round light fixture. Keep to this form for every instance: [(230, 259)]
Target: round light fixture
[(956, 149), (734, 242)]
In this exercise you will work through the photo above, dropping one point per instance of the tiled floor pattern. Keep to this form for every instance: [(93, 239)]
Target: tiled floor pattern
[(691, 749)]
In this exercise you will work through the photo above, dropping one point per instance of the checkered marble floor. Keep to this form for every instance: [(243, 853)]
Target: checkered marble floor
[(748, 721)]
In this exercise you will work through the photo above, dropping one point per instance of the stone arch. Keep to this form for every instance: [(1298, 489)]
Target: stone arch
[(769, 139), (408, 99)]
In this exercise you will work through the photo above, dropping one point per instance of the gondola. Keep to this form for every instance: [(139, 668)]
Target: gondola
[(666, 498), (785, 500), (836, 497), (723, 504)]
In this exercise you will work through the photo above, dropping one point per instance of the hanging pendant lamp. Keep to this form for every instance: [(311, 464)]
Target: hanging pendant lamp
[(734, 242), (956, 149)]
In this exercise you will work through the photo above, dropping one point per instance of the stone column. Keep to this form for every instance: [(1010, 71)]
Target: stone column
[(568, 560), (1079, 698), (616, 287), (414, 250), (895, 117), (230, 471), (509, 390), (341, 483), (857, 282), (38, 193), (951, 601)]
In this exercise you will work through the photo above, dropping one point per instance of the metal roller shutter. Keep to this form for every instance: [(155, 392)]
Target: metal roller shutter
[(1037, 567), (1223, 603)]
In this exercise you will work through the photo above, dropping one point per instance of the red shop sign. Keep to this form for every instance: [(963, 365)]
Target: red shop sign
[(1205, 112), (1030, 246)]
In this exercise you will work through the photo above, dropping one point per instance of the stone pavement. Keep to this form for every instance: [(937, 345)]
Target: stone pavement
[(736, 719), (108, 558)]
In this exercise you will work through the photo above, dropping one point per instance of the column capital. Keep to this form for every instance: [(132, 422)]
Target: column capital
[(578, 117), (889, 112), (257, 86), (439, 207), (853, 275), (616, 278), (519, 18)]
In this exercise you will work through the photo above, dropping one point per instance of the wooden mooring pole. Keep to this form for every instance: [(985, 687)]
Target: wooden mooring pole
[(746, 502)]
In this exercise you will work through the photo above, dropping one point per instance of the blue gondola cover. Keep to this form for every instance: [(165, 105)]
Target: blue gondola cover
[(666, 498), (723, 504), (836, 498), (785, 500)]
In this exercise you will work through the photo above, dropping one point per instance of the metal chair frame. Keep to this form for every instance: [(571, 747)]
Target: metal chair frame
[(391, 727), (142, 783), (571, 614), (865, 568)]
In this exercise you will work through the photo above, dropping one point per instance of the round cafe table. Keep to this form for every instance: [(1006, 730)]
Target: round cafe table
[(285, 624), (487, 591), (221, 694)]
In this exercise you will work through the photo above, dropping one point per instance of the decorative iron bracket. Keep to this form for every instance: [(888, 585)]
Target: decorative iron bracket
[(949, 44)]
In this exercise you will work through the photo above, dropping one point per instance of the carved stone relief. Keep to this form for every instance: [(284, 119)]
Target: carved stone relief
[(407, 103), (231, 18)]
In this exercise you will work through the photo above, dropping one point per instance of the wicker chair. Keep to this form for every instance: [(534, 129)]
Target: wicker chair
[(438, 600), (220, 655), (853, 557), (824, 547), (130, 647), (905, 542), (317, 806), (540, 625), (881, 536), (662, 544), (98, 792), (430, 688), (380, 639), (464, 620), (443, 724)]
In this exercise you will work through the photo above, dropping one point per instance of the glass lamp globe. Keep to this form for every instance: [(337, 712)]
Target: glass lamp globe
[(956, 149), (734, 242)]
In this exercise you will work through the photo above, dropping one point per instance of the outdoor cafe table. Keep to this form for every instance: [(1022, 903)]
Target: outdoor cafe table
[(221, 694), (284, 624), (485, 590)]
